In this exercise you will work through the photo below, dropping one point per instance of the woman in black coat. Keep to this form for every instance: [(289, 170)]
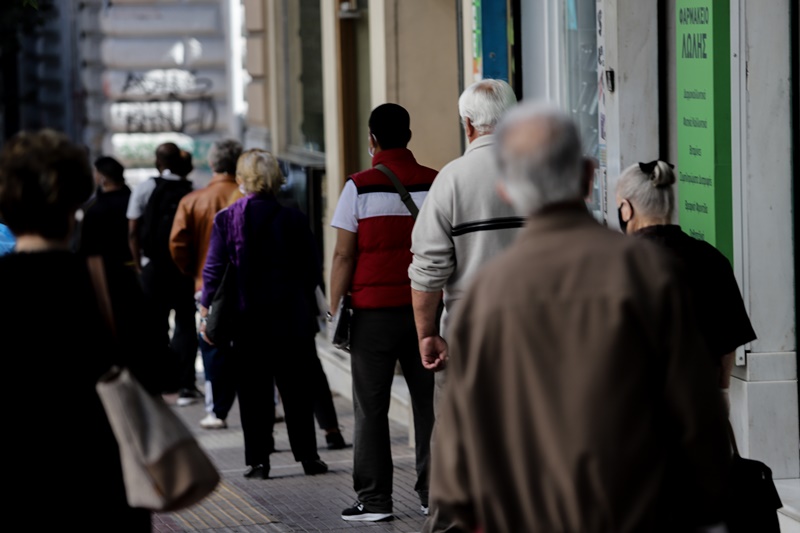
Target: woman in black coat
[(55, 345), (646, 207)]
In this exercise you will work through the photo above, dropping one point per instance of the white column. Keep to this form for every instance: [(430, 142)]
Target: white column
[(630, 31), (331, 71), (764, 403), (379, 36)]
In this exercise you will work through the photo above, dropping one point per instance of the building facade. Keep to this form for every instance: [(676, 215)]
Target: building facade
[(153, 72)]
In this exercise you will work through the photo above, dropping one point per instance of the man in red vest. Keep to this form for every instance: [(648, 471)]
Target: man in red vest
[(370, 262)]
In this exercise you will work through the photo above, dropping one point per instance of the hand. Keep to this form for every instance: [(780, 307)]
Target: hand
[(203, 332), (203, 323), (331, 321), (433, 352)]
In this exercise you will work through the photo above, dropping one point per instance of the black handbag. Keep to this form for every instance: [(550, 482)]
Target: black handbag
[(751, 499), (222, 311), (341, 329)]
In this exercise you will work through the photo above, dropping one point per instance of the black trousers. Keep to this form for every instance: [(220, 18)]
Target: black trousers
[(168, 290), (379, 339), (258, 361), (324, 410)]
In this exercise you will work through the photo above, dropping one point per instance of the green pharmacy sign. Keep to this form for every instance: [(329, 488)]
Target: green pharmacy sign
[(704, 121)]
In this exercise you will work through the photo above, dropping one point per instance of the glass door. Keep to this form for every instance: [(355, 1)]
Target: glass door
[(559, 63)]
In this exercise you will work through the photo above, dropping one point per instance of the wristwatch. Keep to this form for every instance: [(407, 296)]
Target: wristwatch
[(329, 316)]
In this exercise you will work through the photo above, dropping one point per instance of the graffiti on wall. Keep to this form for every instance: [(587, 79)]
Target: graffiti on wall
[(166, 100)]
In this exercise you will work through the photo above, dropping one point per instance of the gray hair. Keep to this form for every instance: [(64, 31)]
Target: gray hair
[(485, 102), (652, 195), (223, 155), (540, 154)]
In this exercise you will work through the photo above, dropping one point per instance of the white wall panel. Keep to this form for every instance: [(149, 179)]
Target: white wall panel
[(159, 20), (162, 52)]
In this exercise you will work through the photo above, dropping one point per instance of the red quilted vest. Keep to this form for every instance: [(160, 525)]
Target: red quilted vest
[(384, 230)]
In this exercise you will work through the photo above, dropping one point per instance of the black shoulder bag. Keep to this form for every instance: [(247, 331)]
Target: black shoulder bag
[(751, 501)]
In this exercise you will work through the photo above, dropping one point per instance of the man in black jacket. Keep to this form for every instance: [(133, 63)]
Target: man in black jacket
[(151, 210)]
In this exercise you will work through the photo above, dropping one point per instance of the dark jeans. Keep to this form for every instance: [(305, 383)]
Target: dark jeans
[(169, 290), (217, 367), (379, 339), (258, 361)]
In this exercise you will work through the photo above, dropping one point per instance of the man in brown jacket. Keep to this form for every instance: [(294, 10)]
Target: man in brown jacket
[(579, 396), (188, 244)]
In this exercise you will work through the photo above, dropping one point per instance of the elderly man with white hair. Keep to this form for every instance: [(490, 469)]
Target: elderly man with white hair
[(463, 221), (462, 224), (580, 396)]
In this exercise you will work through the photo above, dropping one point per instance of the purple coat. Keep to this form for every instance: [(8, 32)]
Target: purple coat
[(276, 259)]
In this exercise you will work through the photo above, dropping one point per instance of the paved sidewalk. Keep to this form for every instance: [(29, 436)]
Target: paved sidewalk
[(289, 500)]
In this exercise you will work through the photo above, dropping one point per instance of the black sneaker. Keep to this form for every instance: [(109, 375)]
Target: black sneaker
[(357, 513), (189, 396), (257, 472)]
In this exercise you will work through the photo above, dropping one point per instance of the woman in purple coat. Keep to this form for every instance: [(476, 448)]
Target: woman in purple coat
[(277, 271)]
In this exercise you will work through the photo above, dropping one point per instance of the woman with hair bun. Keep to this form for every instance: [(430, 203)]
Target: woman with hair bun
[(646, 208)]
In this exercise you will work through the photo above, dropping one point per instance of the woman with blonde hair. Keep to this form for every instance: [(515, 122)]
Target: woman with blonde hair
[(646, 208), (277, 270)]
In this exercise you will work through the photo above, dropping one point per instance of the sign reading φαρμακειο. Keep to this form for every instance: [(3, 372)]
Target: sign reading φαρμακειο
[(704, 121)]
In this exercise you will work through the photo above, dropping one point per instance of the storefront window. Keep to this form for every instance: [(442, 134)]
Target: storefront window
[(558, 56), (581, 75), (304, 119), (580, 50)]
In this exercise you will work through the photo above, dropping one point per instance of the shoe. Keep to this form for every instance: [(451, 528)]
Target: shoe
[(312, 468), (425, 510), (189, 396), (212, 422), (257, 472), (357, 513), (335, 441)]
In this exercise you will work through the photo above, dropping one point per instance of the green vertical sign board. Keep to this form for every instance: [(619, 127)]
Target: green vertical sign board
[(704, 121)]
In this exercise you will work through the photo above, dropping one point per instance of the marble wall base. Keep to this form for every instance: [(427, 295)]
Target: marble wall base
[(764, 416)]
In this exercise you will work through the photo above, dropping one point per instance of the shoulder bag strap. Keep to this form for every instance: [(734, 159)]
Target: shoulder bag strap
[(404, 195)]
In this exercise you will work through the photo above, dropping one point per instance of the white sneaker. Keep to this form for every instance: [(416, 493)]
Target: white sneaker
[(425, 510), (212, 422)]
